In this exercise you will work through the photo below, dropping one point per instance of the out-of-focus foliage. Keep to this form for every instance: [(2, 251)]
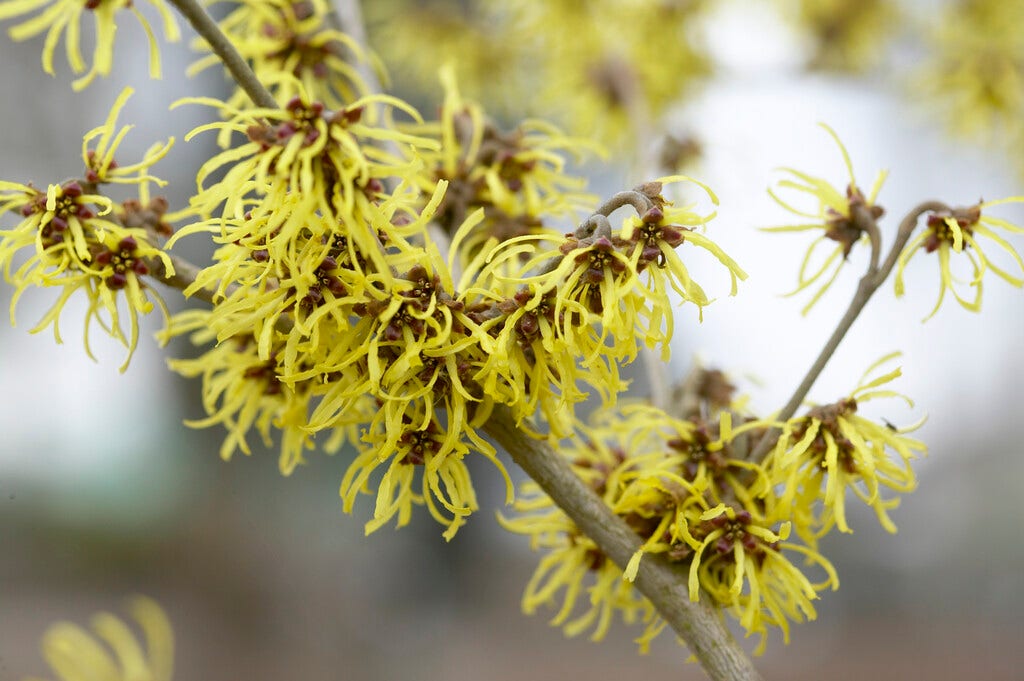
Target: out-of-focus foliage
[(605, 67), (974, 75), (844, 35)]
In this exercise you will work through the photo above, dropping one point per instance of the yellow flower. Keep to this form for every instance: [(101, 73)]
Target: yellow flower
[(533, 369), (100, 165), (681, 492), (840, 215), (654, 238), (739, 562), (62, 17), (610, 290), (834, 447), (113, 652), (284, 36), (58, 222), (79, 250), (957, 232), (419, 446)]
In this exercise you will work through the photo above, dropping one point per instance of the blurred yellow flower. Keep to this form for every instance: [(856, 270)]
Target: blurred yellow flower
[(292, 37), (113, 652), (610, 68), (974, 73), (62, 17), (846, 35)]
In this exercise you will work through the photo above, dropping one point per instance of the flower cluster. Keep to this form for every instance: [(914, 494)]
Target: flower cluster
[(62, 17), (842, 216), (592, 301), (835, 448), (294, 39), (82, 241), (687, 487), (684, 487), (113, 652), (337, 313), (325, 299)]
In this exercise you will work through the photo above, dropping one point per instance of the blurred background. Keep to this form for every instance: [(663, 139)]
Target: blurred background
[(104, 493)]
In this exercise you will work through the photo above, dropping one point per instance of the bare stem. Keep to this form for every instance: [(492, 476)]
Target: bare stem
[(222, 47), (349, 20), (185, 274), (699, 624), (869, 283)]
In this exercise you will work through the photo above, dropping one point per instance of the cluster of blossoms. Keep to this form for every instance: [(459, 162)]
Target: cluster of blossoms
[(601, 73), (337, 312), (691, 493), (850, 218), (63, 17), (833, 448), (82, 241)]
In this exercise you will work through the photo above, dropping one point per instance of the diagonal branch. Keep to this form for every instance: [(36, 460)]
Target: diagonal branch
[(699, 624), (869, 283), (222, 47)]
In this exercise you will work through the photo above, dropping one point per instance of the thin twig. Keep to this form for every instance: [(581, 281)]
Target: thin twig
[(869, 283), (640, 202), (699, 624), (222, 47)]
